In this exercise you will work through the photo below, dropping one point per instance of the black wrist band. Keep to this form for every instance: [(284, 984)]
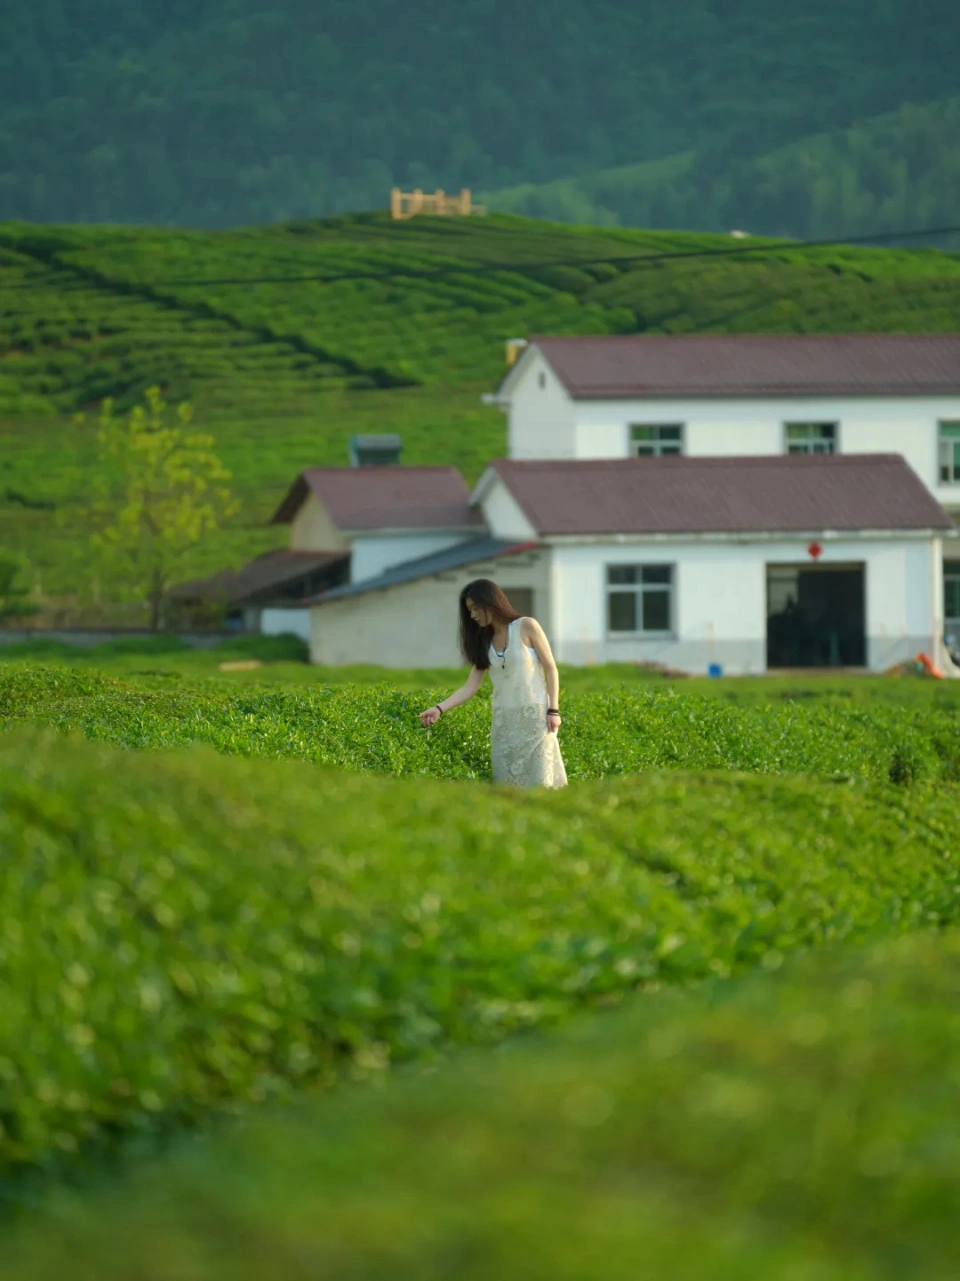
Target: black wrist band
[(439, 708), (553, 711)]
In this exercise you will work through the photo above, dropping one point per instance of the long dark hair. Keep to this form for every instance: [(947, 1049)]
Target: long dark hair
[(475, 640)]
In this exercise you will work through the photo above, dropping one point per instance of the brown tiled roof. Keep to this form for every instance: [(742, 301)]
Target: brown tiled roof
[(266, 575), (626, 366), (673, 495), (384, 497)]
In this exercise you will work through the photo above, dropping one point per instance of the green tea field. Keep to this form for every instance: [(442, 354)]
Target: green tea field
[(720, 967), (290, 989), (799, 1123), (362, 324)]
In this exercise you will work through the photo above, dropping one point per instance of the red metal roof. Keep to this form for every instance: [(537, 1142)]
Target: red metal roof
[(390, 497), (628, 366), (682, 495)]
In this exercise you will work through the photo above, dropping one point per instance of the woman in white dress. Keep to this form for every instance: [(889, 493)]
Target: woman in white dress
[(524, 746)]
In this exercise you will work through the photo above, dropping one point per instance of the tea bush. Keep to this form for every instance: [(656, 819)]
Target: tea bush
[(184, 932), (802, 1125), (605, 732)]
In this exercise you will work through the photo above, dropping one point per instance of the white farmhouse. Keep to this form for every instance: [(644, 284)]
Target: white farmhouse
[(346, 524), (741, 395), (742, 564), (737, 503), (733, 502), (717, 395)]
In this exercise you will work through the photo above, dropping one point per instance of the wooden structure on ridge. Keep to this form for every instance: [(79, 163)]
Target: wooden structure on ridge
[(407, 204)]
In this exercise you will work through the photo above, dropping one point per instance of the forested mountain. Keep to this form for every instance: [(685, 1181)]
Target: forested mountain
[(225, 112), (900, 170)]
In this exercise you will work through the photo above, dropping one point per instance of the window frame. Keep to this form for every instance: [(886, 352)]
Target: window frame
[(807, 453), (657, 452), (942, 445), (669, 590), (951, 574)]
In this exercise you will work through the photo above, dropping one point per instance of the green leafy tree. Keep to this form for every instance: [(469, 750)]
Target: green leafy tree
[(15, 598), (161, 491)]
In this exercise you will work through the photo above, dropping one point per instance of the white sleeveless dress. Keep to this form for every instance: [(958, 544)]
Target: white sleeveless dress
[(522, 751)]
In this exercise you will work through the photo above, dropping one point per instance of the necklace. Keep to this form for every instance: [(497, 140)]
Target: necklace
[(502, 653)]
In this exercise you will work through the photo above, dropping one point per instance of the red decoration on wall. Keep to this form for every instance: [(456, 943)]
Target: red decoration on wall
[(815, 550)]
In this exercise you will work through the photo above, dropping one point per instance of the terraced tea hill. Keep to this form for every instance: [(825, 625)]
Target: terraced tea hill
[(98, 318), (108, 310)]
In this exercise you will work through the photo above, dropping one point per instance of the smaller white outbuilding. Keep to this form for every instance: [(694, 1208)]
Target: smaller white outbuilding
[(346, 524), (745, 564)]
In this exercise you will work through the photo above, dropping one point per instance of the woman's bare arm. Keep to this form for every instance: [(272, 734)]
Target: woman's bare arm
[(456, 699), (532, 634)]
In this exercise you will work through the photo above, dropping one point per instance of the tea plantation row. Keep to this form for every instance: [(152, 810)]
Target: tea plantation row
[(608, 732), (801, 1126), (182, 932), (103, 305)]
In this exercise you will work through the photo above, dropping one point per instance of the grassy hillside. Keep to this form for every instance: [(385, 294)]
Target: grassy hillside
[(284, 372), (800, 1126), (898, 170)]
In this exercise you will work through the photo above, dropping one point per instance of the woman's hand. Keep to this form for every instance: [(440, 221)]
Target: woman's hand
[(429, 717), (553, 722)]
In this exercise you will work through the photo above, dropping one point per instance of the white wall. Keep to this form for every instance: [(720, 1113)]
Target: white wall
[(504, 515), (720, 600), (541, 419), (374, 552), (724, 427), (415, 624), (275, 622)]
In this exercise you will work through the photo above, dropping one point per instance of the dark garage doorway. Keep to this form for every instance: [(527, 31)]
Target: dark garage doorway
[(816, 616)]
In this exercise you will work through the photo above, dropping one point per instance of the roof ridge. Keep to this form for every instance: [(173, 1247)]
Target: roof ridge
[(345, 469), (716, 460), (871, 334)]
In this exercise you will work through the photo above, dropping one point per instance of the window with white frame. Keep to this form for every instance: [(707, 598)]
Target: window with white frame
[(950, 453), (951, 591), (640, 599), (810, 438), (654, 442)]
